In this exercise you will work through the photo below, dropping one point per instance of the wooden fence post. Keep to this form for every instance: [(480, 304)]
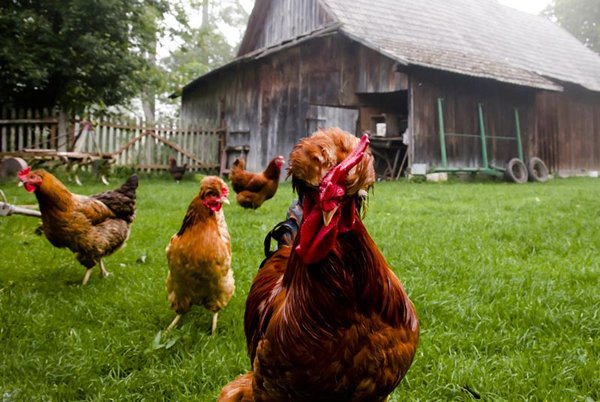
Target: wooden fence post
[(63, 131)]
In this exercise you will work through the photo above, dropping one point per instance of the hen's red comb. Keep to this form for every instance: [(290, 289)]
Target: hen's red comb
[(24, 172)]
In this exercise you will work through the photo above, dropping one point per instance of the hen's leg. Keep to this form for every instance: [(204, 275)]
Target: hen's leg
[(213, 329), (103, 272), (86, 277), (173, 323)]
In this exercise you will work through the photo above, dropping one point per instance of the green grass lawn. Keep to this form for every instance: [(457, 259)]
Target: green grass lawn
[(505, 279)]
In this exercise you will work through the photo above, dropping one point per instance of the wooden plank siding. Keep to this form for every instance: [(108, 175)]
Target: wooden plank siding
[(545, 142), (279, 98), (461, 97), (568, 125), (287, 19), (275, 98)]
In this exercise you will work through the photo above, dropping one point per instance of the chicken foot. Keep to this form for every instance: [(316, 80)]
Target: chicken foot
[(86, 277), (173, 323), (213, 329), (103, 272), (88, 272)]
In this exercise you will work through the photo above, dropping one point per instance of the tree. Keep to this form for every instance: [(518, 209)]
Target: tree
[(204, 47), (74, 53), (580, 17)]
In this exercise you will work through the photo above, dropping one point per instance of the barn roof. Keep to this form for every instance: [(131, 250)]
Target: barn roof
[(473, 37), (479, 38)]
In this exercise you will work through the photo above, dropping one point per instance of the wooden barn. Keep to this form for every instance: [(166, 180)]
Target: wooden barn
[(439, 84)]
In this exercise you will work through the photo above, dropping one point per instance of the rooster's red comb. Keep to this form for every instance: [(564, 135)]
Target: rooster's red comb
[(340, 172), (24, 172)]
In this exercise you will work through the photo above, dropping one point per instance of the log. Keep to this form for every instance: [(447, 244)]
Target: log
[(7, 209)]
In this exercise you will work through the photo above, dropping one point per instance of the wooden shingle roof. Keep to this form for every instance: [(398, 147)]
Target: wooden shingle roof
[(473, 37), (478, 38)]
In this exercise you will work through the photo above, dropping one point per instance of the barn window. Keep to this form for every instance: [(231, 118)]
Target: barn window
[(327, 116)]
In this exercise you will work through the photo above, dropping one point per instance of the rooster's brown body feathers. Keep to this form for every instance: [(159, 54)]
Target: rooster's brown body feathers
[(326, 318)]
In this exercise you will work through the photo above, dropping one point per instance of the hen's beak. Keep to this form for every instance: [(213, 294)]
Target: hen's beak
[(20, 184), (328, 216), (225, 200)]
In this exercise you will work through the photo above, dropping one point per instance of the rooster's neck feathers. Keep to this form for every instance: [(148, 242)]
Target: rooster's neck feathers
[(339, 281)]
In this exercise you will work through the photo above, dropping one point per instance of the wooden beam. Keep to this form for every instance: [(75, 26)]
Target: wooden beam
[(129, 144), (176, 147), (29, 121)]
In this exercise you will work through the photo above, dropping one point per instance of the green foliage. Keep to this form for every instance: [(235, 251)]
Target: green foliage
[(504, 277), (203, 47), (580, 17), (77, 54), (74, 53)]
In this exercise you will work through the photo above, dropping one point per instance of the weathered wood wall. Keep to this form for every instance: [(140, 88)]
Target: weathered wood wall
[(461, 97), (568, 130), (275, 98), (286, 19), (279, 98)]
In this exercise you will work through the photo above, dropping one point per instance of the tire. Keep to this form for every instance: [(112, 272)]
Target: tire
[(516, 171), (537, 170)]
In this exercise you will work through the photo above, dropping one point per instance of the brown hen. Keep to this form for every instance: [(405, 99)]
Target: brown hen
[(326, 318), (177, 172), (253, 189), (199, 255), (92, 227)]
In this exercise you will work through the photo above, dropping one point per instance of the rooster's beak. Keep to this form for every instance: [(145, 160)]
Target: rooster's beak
[(328, 216), (20, 184)]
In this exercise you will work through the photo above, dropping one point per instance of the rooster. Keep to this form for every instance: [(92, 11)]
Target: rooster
[(177, 172), (326, 319), (199, 255), (253, 189), (92, 227)]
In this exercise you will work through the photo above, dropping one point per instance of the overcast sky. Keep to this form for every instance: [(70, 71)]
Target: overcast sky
[(530, 6)]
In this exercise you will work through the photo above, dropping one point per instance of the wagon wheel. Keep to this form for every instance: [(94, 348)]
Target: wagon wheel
[(516, 171), (537, 170), (10, 167)]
